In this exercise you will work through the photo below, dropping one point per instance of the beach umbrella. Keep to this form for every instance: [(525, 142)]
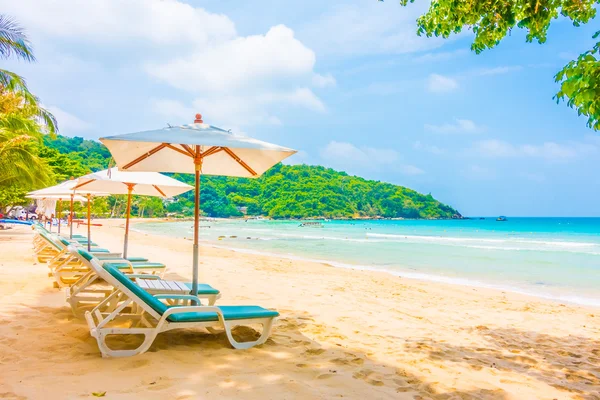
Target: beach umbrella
[(66, 189), (59, 198), (196, 149), (114, 181)]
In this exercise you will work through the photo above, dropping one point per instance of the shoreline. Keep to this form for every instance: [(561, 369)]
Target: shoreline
[(341, 333), (403, 273)]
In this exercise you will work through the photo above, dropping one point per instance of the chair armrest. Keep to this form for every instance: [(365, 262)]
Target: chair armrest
[(179, 297), (112, 260), (107, 255), (143, 276), (185, 309)]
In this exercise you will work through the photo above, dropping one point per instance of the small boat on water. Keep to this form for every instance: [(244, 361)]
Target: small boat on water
[(311, 225), (501, 218)]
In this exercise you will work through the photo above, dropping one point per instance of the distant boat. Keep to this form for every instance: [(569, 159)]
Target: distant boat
[(501, 218), (311, 225)]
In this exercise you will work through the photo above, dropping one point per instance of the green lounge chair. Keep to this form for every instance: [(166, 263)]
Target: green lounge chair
[(90, 290), (151, 316)]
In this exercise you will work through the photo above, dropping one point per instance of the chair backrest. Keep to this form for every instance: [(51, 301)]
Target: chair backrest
[(46, 235), (111, 273), (141, 294)]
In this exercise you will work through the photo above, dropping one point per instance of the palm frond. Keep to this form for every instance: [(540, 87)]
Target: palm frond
[(13, 83), (13, 40)]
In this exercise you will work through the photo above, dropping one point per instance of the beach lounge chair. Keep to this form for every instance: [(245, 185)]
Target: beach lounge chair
[(149, 316), (71, 268), (90, 289)]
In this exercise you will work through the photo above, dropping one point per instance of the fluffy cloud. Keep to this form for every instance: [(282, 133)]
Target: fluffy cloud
[(411, 170), (441, 84), (231, 79), (68, 123), (460, 126), (549, 150), (120, 22), (241, 63), (496, 70), (343, 152), (323, 80), (347, 155), (370, 28), (428, 148)]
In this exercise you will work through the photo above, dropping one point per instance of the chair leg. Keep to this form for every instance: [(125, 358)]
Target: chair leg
[(108, 352), (267, 324)]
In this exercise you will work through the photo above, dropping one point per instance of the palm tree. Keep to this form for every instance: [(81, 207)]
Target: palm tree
[(23, 122), (19, 162), (14, 43)]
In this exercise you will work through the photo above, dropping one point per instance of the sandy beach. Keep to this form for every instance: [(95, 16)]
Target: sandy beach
[(342, 333)]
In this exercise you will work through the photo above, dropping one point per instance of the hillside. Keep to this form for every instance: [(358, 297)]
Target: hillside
[(285, 191)]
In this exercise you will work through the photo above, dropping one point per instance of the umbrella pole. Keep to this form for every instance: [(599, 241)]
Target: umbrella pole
[(198, 164), (89, 238), (59, 213), (71, 219), (129, 190)]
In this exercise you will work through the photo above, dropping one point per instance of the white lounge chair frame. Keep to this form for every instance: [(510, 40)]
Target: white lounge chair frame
[(149, 323), (90, 289)]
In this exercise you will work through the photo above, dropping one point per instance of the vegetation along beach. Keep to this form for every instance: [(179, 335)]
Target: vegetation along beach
[(382, 200)]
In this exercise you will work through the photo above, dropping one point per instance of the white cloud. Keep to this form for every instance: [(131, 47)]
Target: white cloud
[(301, 157), (496, 70), (232, 79), (441, 84), (368, 28), (478, 172), (240, 81), (439, 56), (549, 150), (411, 170), (428, 148), (241, 63), (67, 122), (322, 81), (121, 22), (347, 155), (460, 126), (343, 152)]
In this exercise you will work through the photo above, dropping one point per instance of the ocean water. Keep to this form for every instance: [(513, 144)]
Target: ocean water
[(554, 258)]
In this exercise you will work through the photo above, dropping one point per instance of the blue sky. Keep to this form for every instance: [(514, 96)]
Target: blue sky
[(348, 83)]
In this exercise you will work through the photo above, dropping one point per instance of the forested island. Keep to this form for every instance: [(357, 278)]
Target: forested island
[(285, 191)]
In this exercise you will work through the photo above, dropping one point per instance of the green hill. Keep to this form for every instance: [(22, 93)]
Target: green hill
[(285, 191)]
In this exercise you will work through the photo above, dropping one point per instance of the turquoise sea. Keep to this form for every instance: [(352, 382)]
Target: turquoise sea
[(555, 258)]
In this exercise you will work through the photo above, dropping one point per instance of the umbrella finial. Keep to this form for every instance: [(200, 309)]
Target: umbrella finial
[(198, 119)]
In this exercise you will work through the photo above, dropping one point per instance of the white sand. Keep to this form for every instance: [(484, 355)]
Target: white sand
[(342, 333)]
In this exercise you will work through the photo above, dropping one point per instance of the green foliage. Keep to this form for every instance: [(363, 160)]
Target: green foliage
[(298, 191), (302, 191), (74, 157), (492, 20), (580, 85)]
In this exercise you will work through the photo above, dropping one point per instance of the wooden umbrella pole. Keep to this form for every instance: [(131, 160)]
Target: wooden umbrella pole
[(89, 222), (128, 212), (59, 213), (198, 167), (71, 218)]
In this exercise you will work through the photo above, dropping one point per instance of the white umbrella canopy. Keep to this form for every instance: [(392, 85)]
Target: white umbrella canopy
[(64, 191), (197, 149), (114, 181), (58, 197), (173, 149)]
